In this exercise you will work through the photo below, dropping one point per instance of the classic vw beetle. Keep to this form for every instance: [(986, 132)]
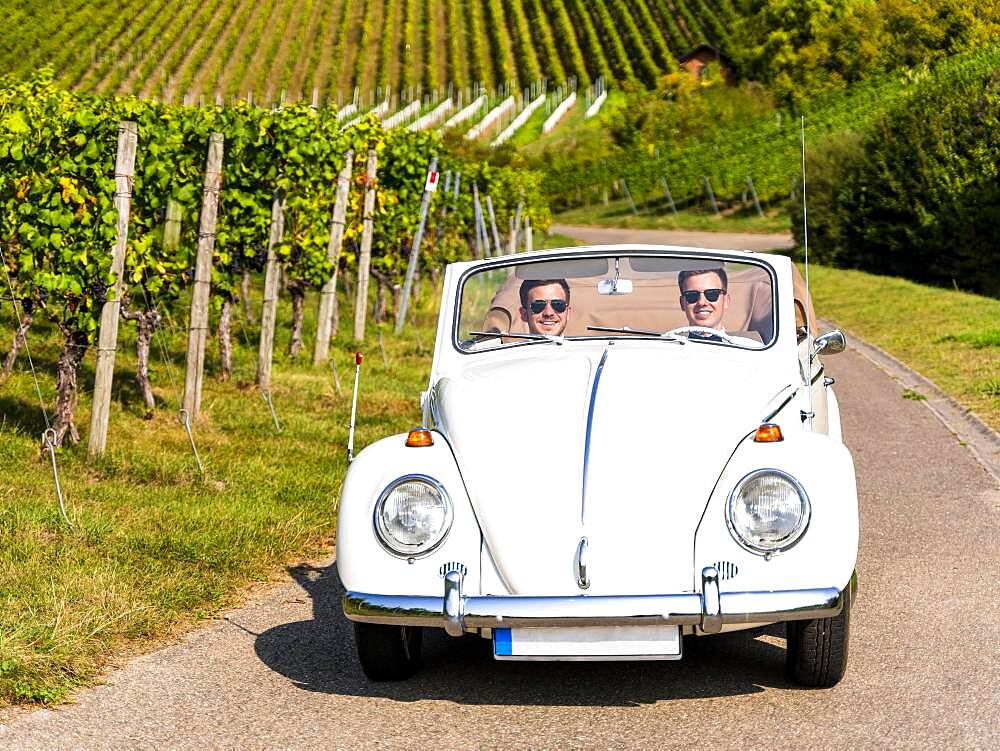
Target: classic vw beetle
[(622, 446)]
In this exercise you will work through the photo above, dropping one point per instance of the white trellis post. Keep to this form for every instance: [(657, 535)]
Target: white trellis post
[(108, 337), (328, 298), (198, 326), (365, 256), (269, 305)]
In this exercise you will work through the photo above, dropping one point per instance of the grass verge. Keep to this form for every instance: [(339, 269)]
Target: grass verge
[(951, 337), (655, 213), (155, 545)]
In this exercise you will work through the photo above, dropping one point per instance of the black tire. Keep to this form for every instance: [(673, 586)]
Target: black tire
[(817, 649), (388, 653)]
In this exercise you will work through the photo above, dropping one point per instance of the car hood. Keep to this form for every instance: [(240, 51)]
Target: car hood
[(621, 446)]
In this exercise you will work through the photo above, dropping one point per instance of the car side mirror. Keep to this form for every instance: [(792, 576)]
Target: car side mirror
[(830, 343), (614, 287)]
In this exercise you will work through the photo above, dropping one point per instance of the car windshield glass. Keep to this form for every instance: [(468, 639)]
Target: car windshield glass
[(676, 299)]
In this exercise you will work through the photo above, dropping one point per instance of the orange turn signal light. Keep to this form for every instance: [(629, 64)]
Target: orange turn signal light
[(768, 433), (419, 437)]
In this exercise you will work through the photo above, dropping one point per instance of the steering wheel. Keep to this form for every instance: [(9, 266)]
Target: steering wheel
[(701, 330)]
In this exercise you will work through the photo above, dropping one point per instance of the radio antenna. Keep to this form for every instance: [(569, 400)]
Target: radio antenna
[(805, 241), (354, 407)]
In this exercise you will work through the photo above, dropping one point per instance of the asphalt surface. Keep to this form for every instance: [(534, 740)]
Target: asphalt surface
[(924, 668)]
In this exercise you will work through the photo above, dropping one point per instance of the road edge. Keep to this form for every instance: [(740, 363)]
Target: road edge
[(962, 422)]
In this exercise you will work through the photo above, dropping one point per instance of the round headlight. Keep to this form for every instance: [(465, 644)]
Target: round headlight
[(413, 515), (768, 511)]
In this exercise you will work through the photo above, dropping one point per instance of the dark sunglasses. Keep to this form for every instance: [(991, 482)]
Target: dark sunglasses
[(691, 296), (537, 306)]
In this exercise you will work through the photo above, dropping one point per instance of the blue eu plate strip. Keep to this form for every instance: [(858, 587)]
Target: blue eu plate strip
[(501, 641)]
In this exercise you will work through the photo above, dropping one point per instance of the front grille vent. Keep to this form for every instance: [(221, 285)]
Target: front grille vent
[(726, 570), (447, 568)]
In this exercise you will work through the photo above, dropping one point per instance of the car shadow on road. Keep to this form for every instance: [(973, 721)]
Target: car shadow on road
[(318, 655)]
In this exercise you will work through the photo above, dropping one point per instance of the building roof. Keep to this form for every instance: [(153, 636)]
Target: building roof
[(704, 47)]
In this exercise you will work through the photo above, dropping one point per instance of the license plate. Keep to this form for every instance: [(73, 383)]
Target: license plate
[(588, 643)]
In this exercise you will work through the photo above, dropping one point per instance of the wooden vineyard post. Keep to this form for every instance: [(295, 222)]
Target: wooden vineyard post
[(108, 337), (411, 267), (328, 298), (493, 224), (668, 194), (198, 326), (365, 258), (269, 305), (172, 226), (753, 192), (711, 195)]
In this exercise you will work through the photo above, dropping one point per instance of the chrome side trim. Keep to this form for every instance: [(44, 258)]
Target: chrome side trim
[(770, 415), (683, 609), (590, 425)]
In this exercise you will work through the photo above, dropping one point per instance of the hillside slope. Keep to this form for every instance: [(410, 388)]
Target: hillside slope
[(228, 48)]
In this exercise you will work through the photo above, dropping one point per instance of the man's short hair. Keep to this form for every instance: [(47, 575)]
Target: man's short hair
[(529, 284), (685, 275)]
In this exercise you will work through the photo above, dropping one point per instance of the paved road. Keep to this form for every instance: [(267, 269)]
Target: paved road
[(718, 240), (924, 670)]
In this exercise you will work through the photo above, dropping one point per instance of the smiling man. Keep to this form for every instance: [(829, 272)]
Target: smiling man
[(704, 297), (545, 305)]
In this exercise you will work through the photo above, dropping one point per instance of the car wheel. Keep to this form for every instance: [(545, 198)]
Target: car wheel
[(817, 649), (388, 653)]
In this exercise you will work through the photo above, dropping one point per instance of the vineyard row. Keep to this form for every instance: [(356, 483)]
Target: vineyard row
[(257, 50)]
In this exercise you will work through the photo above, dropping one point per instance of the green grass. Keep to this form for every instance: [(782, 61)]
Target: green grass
[(653, 212), (156, 546), (948, 336)]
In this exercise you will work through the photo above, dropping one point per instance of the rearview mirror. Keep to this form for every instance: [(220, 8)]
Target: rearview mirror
[(830, 343), (614, 287)]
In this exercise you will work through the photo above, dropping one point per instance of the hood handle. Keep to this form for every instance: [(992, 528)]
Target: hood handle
[(581, 564)]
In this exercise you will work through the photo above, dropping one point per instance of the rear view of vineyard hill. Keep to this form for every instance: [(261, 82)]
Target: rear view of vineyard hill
[(220, 49)]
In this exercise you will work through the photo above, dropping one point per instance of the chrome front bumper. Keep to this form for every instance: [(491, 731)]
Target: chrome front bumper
[(456, 613)]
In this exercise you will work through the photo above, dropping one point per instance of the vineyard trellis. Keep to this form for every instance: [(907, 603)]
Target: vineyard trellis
[(58, 219)]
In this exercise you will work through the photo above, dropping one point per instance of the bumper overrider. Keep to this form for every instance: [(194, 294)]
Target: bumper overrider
[(457, 613)]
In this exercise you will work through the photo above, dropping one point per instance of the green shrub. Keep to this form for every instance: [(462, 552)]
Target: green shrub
[(918, 194)]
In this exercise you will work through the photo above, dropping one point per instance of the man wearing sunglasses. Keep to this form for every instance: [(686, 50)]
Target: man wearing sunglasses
[(704, 300), (545, 305)]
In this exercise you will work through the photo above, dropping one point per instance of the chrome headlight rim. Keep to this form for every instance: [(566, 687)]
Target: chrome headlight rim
[(416, 552), (787, 544)]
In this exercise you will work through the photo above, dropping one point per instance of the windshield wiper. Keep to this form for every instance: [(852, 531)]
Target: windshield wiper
[(511, 335), (667, 336)]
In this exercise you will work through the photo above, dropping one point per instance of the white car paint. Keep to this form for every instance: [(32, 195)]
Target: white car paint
[(669, 441)]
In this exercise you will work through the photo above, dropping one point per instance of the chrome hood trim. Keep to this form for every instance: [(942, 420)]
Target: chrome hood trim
[(650, 437)]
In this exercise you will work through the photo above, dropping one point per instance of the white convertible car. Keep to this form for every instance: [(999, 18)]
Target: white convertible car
[(622, 446)]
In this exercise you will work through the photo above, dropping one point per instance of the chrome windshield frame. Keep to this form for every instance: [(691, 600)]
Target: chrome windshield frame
[(611, 252)]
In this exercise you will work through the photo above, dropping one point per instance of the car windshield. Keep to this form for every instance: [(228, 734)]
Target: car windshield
[(689, 299)]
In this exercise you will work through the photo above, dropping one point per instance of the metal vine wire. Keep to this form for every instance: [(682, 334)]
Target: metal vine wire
[(182, 414), (27, 349), (49, 435)]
